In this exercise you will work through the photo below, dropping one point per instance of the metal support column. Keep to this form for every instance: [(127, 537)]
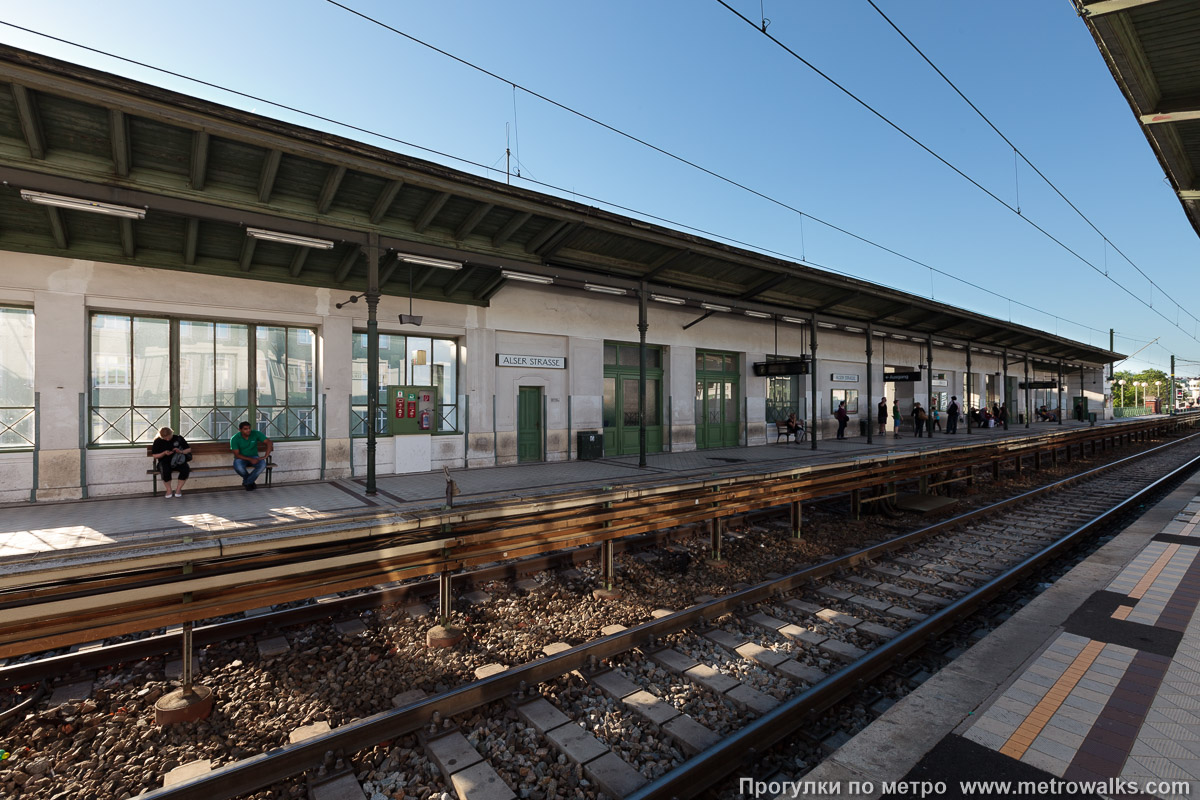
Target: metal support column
[(1004, 386), (1171, 391), (643, 326), (812, 371), (870, 387), (372, 296), (1028, 407), (1060, 388), (929, 387), (967, 399)]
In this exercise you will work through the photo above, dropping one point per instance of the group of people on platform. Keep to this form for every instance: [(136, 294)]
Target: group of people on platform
[(924, 421), (171, 453)]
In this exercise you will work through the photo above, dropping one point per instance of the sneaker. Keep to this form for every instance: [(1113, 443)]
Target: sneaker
[(179, 494)]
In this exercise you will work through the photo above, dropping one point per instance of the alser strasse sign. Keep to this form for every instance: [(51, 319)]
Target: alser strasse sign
[(537, 362)]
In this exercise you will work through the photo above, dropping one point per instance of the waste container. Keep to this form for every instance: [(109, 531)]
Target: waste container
[(1091, 417), (862, 427), (589, 445)]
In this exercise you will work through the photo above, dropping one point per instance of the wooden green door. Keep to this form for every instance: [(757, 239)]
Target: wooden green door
[(717, 418), (529, 424), (621, 423)]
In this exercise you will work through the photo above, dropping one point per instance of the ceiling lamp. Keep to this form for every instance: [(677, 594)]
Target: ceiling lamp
[(594, 287), (795, 320), (662, 298), (715, 307), (79, 204), (826, 325), (525, 276), (850, 329), (426, 261), (289, 238), (757, 314)]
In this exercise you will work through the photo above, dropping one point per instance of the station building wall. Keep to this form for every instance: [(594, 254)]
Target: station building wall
[(522, 320)]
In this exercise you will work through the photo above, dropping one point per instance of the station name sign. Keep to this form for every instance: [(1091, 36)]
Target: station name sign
[(901, 377), (843, 377), (538, 362), (1039, 385), (776, 368)]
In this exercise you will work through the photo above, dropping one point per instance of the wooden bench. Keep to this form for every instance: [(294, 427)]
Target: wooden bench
[(212, 449), (782, 432)]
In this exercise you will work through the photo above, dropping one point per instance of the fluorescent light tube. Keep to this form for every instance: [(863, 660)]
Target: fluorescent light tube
[(757, 314), (662, 298), (79, 204), (853, 330), (525, 276), (898, 336), (826, 325), (592, 287), (289, 238), (715, 307), (795, 320), (426, 261)]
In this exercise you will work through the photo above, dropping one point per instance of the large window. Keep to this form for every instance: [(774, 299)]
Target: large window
[(405, 361), (16, 378), (200, 378)]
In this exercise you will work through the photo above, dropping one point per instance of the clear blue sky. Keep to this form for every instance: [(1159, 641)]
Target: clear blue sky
[(692, 78)]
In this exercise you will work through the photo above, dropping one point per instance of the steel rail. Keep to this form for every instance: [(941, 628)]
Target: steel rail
[(260, 771)]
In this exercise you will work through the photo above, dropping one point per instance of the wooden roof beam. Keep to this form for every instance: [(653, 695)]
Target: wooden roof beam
[(472, 221), (423, 278), (662, 262), (333, 180), (191, 236), (246, 260), (128, 243), (31, 123), (489, 289), (391, 262), (546, 243), (510, 227), (458, 280), (384, 201), (837, 301), (298, 259), (118, 134), (895, 309), (266, 177), (759, 288), (353, 253), (57, 228), (430, 212), (199, 160)]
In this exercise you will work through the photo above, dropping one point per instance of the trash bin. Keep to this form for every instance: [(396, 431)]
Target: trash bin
[(862, 427), (589, 445), (1091, 417)]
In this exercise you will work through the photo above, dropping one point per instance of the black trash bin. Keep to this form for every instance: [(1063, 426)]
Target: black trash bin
[(589, 445), (862, 427)]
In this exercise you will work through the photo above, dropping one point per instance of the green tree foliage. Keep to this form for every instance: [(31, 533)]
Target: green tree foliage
[(1127, 395)]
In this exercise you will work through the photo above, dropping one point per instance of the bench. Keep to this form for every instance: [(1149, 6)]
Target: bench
[(782, 432), (212, 449)]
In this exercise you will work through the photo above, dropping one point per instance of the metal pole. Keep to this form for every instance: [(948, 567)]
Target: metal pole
[(812, 371), (1028, 408), (643, 325), (870, 386), (372, 296), (1172, 395), (929, 387), (1111, 344), (1004, 386), (968, 397), (1060, 388)]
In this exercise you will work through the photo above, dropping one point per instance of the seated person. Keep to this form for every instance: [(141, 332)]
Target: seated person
[(246, 461), (793, 425), (166, 446)]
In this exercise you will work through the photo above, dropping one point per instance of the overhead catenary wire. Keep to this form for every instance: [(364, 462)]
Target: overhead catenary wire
[(553, 187), (886, 120), (1017, 152)]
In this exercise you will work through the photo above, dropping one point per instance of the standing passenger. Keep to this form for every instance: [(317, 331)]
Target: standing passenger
[(842, 418), (882, 415), (919, 417), (896, 418), (952, 416)]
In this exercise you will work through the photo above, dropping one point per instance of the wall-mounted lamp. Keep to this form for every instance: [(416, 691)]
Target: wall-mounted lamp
[(79, 204)]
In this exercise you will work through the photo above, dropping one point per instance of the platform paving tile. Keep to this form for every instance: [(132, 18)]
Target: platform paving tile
[(985, 737), (480, 782), (576, 743), (1043, 761), (713, 680), (615, 684), (452, 752), (692, 736), (614, 776)]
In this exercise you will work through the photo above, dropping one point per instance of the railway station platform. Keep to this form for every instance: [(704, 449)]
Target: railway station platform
[(1090, 690), (39, 530)]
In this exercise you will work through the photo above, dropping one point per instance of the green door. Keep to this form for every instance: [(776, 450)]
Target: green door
[(529, 424), (717, 419), (621, 422)]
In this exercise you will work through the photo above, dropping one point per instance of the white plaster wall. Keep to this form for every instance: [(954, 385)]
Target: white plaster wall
[(16, 477)]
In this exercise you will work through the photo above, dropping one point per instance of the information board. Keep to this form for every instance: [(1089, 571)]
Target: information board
[(411, 410)]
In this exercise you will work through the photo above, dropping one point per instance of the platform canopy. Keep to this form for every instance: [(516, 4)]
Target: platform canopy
[(1153, 50), (204, 174)]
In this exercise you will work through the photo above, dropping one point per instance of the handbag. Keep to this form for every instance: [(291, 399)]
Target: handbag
[(179, 459)]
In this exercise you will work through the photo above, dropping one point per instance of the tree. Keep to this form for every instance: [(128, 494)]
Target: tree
[(1127, 396)]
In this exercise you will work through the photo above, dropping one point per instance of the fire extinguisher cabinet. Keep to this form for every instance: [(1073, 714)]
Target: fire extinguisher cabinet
[(411, 410)]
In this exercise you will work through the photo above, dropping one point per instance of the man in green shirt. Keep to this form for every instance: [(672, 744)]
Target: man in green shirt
[(246, 461)]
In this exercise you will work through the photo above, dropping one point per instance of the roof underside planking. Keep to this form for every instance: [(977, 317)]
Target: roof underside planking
[(1152, 48), (206, 172)]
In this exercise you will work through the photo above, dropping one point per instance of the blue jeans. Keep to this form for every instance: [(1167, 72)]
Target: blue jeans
[(248, 471)]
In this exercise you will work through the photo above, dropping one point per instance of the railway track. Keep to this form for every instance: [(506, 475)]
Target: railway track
[(666, 708)]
